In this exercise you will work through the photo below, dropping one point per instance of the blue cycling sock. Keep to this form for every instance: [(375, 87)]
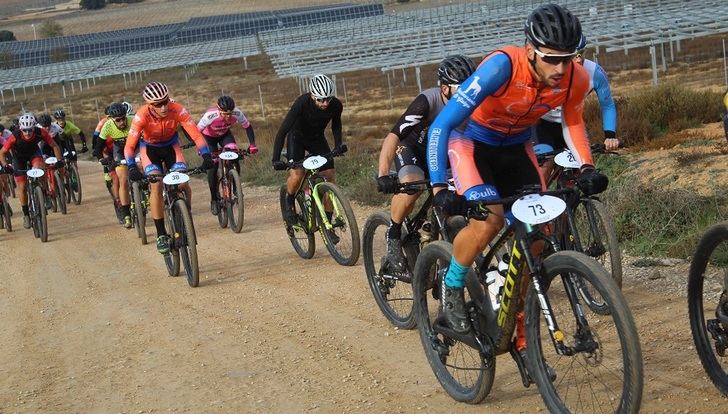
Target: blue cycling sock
[(455, 276)]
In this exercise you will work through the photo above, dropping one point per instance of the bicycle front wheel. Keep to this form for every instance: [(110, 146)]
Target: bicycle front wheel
[(236, 206), (708, 303), (460, 369), (601, 371), (140, 218), (301, 238), (392, 292), (60, 191), (171, 259), (185, 240), (342, 239), (40, 222), (75, 184)]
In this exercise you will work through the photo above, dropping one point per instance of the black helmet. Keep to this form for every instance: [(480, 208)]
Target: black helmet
[(554, 27), (225, 103), (117, 110), (44, 120), (60, 113), (454, 69)]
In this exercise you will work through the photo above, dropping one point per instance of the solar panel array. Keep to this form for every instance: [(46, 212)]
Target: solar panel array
[(196, 30), (130, 62), (418, 37)]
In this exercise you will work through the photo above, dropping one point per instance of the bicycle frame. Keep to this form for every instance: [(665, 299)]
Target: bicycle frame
[(312, 179), (523, 267)]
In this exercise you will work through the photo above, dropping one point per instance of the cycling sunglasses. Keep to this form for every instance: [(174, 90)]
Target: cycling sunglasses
[(160, 103), (322, 100), (120, 119), (555, 59), (27, 130)]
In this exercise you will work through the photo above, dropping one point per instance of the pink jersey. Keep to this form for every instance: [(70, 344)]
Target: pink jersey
[(213, 125)]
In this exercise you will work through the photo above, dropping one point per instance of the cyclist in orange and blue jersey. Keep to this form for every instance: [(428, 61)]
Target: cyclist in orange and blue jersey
[(159, 148), (492, 157)]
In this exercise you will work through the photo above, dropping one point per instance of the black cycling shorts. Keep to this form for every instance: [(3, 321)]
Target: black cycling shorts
[(298, 147), (550, 133), (411, 159), (477, 166)]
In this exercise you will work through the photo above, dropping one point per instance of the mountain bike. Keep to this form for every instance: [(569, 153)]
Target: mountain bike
[(179, 225), (230, 189), (708, 303), (587, 225), (72, 178), (392, 290), (56, 187), (338, 226), (579, 361), (37, 202), (5, 210)]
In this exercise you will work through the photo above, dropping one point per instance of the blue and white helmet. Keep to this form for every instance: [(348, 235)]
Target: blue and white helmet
[(321, 86)]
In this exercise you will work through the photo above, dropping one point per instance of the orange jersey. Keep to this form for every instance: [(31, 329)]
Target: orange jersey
[(161, 131)]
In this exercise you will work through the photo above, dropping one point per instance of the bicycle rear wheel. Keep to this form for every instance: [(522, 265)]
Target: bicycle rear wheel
[(60, 191), (140, 217), (40, 222), (604, 371), (708, 303), (392, 292), (301, 238), (598, 240), (236, 207), (75, 184), (185, 240), (171, 259), (342, 240), (460, 369)]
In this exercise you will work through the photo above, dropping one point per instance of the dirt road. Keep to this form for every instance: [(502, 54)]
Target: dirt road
[(91, 323)]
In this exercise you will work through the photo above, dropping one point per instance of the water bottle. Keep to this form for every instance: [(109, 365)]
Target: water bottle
[(495, 278)]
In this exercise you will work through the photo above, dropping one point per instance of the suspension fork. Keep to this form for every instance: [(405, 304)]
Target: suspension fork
[(320, 206), (536, 279)]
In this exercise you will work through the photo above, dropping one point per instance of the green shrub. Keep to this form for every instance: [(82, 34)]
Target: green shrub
[(652, 221), (655, 111)]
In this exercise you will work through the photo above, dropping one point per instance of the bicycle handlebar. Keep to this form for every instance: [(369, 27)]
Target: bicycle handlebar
[(330, 155), (156, 177)]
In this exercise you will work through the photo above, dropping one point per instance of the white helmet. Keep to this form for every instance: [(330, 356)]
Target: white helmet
[(26, 121), (129, 108), (155, 92), (321, 86)]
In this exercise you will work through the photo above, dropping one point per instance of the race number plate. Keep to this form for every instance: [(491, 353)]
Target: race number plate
[(228, 155), (566, 159), (537, 209), (35, 173), (51, 160), (175, 178), (314, 162)]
